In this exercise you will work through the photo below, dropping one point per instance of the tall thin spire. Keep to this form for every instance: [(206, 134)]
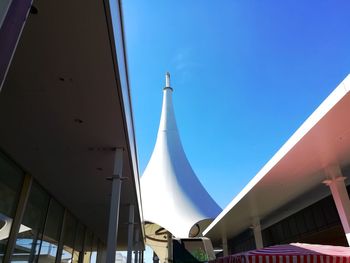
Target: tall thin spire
[(172, 195)]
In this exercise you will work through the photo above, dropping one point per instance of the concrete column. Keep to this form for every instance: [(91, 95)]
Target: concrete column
[(224, 245), (256, 227), (114, 207), (340, 195), (130, 233)]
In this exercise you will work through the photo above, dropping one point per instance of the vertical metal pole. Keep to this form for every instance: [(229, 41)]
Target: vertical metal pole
[(142, 255), (136, 256), (98, 251), (44, 228), (130, 233), (114, 208), (81, 254), (16, 223), (60, 242), (34, 246)]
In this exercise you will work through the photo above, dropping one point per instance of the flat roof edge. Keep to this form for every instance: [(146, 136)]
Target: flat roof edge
[(117, 39), (333, 98)]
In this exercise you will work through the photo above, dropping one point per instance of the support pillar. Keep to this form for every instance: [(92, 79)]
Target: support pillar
[(257, 234), (115, 204), (130, 233), (224, 245), (340, 195), (136, 256)]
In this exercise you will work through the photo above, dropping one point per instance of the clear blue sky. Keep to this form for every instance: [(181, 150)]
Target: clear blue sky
[(246, 74)]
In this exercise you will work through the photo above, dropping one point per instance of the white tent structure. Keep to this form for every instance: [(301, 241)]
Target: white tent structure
[(173, 198)]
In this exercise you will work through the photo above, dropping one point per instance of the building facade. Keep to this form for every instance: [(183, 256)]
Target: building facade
[(69, 183), (302, 193)]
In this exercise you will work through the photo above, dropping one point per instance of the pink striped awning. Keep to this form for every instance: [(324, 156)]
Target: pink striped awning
[(292, 253)]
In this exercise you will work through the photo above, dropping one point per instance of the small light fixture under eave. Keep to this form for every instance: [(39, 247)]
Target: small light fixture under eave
[(77, 120)]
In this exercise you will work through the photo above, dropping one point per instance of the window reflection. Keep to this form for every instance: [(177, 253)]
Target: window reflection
[(93, 258), (48, 250), (70, 226), (40, 232), (28, 240), (79, 241), (87, 246), (11, 179), (100, 257)]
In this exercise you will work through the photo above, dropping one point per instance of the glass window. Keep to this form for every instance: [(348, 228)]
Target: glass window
[(70, 226), (4, 5), (101, 252), (30, 233), (11, 179), (79, 242), (94, 250), (52, 231), (88, 246)]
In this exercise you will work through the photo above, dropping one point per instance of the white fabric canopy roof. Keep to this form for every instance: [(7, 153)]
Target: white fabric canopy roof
[(172, 195)]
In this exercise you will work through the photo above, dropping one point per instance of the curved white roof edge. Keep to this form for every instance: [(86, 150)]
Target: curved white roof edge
[(338, 93), (172, 195)]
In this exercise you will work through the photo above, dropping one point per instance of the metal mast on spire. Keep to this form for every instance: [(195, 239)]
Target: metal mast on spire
[(167, 80)]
